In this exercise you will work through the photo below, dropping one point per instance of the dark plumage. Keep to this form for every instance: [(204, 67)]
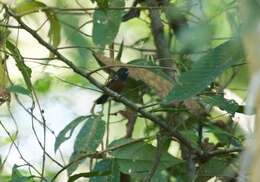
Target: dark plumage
[(117, 84)]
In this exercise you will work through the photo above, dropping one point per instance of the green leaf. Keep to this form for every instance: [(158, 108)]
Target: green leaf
[(77, 39), (87, 141), (195, 37), (120, 51), (18, 177), (218, 167), (43, 84), (180, 172), (106, 23), (90, 135), (62, 136), (25, 70), (101, 3), (161, 176), (137, 158), (191, 135), (1, 164), (223, 135), (75, 159), (28, 7), (19, 90), (106, 166), (206, 70), (219, 101), (55, 29), (5, 178)]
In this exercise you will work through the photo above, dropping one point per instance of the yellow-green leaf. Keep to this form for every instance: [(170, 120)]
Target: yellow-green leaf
[(24, 69)]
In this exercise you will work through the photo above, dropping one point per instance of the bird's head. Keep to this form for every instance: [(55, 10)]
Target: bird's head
[(122, 73)]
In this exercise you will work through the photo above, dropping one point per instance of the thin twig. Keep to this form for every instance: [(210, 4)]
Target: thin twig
[(18, 150), (223, 152), (80, 10), (76, 85), (108, 123), (129, 66)]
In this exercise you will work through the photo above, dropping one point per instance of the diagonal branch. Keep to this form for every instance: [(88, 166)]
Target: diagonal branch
[(161, 123)]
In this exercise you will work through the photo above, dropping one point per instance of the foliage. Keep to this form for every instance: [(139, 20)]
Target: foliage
[(175, 79)]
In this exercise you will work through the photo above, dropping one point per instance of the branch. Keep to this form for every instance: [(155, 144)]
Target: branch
[(160, 41), (83, 10), (161, 123), (222, 152)]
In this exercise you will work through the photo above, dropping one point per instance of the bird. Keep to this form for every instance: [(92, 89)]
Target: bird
[(117, 84)]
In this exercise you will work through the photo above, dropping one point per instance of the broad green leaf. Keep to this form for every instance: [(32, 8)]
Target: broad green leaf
[(108, 167), (218, 167), (19, 90), (219, 101), (160, 176), (66, 133), (180, 172), (106, 23), (18, 177), (25, 70), (137, 158), (206, 70), (90, 135), (87, 141)]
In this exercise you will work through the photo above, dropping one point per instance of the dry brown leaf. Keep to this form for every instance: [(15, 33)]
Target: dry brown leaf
[(194, 107), (208, 146), (158, 83), (4, 96), (131, 116)]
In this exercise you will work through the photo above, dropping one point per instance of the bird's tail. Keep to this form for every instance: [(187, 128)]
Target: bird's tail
[(102, 99)]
